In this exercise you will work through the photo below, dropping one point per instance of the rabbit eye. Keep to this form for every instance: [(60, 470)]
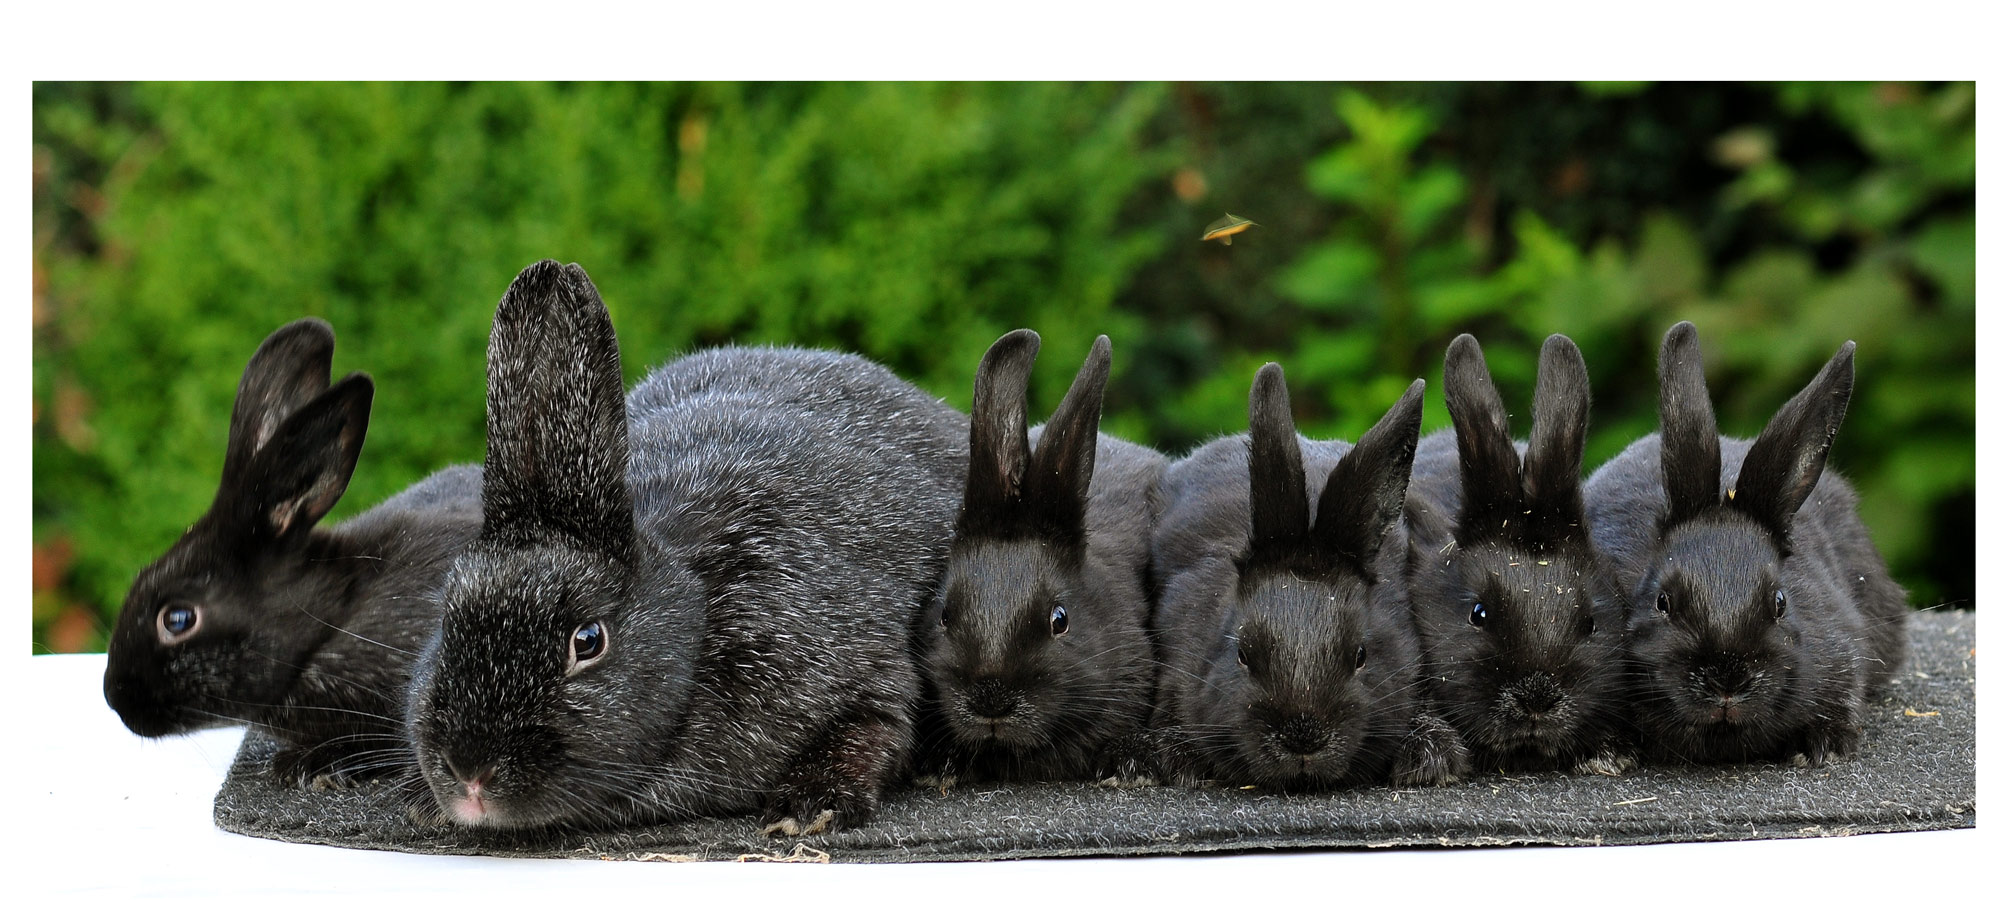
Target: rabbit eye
[(1778, 604), (1241, 656), (177, 623), (1589, 625), (1478, 614), (1360, 658), (589, 643), (1059, 621), (1662, 604)]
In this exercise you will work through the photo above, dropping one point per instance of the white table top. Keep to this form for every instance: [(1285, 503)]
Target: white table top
[(110, 814)]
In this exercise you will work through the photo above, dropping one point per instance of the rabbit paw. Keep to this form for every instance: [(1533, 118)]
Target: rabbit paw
[(1828, 743), (1432, 754), (834, 783), (1128, 761), (1612, 759), (793, 827)]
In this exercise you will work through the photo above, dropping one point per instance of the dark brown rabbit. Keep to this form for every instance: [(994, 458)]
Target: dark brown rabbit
[(255, 616), (1761, 617)]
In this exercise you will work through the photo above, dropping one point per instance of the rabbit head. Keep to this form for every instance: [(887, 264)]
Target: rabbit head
[(550, 688), (220, 628)]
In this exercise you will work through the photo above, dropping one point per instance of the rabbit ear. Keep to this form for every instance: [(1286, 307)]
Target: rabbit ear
[(289, 370), (1553, 474), (305, 463), (1488, 467), (557, 417), (1690, 451), (1366, 490), (1277, 507), (1065, 463), (998, 448), (1785, 461)]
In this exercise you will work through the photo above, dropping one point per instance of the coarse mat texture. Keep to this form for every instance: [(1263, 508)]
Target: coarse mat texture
[(1915, 772)]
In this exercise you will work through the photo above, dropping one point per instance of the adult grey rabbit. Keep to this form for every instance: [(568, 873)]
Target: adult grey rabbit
[(696, 600), (1761, 618), (257, 616)]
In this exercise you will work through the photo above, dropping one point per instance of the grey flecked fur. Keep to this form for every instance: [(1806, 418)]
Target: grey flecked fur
[(755, 529)]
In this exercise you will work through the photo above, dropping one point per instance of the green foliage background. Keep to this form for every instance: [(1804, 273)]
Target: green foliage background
[(177, 224)]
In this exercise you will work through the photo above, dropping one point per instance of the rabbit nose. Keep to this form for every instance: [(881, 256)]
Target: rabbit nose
[(1302, 736), (1536, 697), (990, 699), (473, 777)]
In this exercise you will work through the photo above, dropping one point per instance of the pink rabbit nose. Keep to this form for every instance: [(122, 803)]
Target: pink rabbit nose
[(472, 778), (1727, 709)]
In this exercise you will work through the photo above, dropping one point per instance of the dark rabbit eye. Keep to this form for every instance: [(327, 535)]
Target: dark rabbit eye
[(1059, 620), (1589, 625), (1241, 656), (1360, 658), (589, 642), (1662, 604), (1478, 614), (1778, 604), (177, 623)]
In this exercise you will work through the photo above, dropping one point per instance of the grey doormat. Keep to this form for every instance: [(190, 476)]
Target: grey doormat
[(1915, 773)]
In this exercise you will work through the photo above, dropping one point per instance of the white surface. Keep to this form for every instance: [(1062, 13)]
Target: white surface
[(110, 814)]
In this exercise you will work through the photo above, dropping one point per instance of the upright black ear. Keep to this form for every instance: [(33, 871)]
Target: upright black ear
[(1488, 467), (1553, 473), (1690, 450), (305, 463), (289, 370), (1065, 463), (1365, 492), (557, 418), (998, 449), (1785, 461), (1277, 507)]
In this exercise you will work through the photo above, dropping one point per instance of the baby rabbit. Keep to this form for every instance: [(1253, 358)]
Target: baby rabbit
[(1290, 659), (1039, 661), (1762, 617), (696, 601), (1521, 618), (255, 616)]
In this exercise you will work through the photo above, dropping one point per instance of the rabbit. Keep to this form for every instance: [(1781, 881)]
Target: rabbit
[(256, 616), (1520, 616), (1289, 656), (1038, 660), (1762, 618), (695, 600)]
